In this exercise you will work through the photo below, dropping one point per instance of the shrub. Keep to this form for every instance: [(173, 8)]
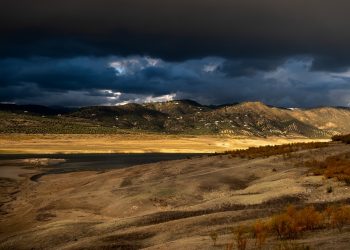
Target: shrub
[(126, 182), (327, 214), (229, 246), (287, 245), (288, 225), (340, 216), (266, 151), (240, 236), (309, 218), (285, 226), (342, 138), (337, 166), (293, 222), (214, 237), (260, 233)]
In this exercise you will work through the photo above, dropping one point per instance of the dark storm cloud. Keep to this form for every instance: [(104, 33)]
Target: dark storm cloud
[(84, 52), (77, 73), (112, 80), (331, 64), (28, 78), (175, 30), (84, 73), (250, 66)]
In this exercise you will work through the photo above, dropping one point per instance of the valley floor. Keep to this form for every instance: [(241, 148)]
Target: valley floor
[(132, 143), (167, 205)]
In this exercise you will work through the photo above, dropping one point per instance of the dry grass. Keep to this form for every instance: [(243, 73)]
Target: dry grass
[(132, 240), (175, 202), (130, 143)]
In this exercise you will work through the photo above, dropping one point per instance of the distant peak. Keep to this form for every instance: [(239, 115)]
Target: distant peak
[(181, 101), (187, 101), (255, 104)]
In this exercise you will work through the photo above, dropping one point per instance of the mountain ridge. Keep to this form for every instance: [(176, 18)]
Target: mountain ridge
[(180, 117)]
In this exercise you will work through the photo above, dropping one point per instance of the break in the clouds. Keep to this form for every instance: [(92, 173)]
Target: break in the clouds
[(83, 52), (212, 80)]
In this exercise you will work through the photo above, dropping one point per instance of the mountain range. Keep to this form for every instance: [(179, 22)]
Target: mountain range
[(178, 117)]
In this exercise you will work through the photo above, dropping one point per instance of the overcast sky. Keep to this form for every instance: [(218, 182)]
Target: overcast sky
[(106, 52)]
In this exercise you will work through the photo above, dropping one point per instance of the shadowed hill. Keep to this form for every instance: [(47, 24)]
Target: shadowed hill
[(34, 109), (126, 116)]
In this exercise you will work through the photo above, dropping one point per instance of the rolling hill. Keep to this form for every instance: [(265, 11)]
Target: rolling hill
[(177, 117)]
